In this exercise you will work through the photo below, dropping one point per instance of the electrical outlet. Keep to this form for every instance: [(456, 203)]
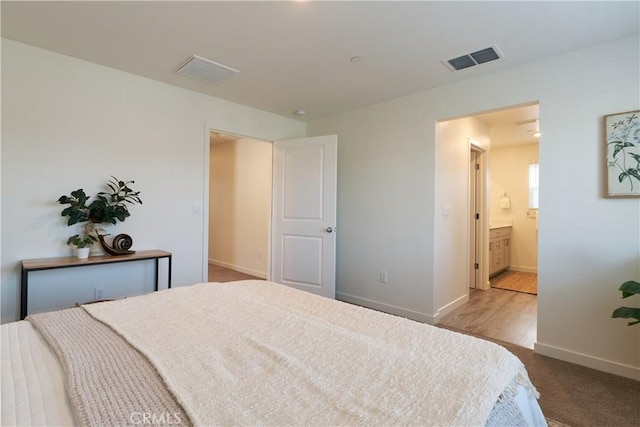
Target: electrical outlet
[(98, 294), (384, 277)]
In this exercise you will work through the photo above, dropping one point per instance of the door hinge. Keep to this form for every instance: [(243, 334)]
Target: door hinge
[(477, 167), (476, 266), (477, 216)]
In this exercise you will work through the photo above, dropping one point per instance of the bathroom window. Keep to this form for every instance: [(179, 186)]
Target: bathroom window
[(534, 184)]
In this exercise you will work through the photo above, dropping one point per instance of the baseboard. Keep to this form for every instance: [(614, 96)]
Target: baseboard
[(523, 269), (387, 308), (604, 365), (234, 267), (451, 306)]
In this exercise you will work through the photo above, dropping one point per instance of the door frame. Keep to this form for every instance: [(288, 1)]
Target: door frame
[(482, 195), (474, 221), (205, 199)]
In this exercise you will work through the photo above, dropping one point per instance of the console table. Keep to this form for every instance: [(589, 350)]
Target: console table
[(70, 262)]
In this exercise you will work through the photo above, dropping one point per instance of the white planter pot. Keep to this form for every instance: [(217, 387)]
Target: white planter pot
[(83, 253)]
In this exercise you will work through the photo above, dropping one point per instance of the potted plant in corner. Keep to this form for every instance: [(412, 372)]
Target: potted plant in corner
[(628, 289), (82, 244), (107, 207)]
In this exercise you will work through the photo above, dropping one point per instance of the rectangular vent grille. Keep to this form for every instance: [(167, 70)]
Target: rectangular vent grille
[(204, 69), (475, 58)]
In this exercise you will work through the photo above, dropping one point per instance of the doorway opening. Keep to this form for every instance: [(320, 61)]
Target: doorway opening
[(505, 308), (239, 207), (282, 223)]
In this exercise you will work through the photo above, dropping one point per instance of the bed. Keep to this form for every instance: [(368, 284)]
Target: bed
[(253, 353)]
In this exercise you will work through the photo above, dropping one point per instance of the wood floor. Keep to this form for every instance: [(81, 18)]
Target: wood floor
[(516, 281), (221, 274), (499, 314)]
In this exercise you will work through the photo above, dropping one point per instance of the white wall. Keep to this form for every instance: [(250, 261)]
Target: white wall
[(588, 244), (452, 234), (385, 207), (68, 124), (240, 205), (510, 175)]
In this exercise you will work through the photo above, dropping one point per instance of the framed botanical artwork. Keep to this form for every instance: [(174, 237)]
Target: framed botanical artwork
[(622, 139)]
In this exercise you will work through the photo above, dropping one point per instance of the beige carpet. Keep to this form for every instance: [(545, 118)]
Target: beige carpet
[(577, 396), (516, 281)]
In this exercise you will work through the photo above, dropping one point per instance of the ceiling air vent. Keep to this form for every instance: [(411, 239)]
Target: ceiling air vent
[(472, 59), (200, 68)]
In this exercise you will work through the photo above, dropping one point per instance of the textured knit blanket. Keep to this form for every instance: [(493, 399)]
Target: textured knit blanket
[(259, 353), (109, 383)]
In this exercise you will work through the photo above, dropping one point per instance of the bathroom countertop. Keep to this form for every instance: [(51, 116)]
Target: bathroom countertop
[(499, 224)]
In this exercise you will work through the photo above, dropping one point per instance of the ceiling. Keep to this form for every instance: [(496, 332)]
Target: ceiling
[(514, 126), (297, 55), (216, 138)]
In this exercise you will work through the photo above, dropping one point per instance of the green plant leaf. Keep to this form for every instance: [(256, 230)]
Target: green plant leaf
[(67, 211), (616, 150), (634, 172), (76, 216), (80, 196), (627, 313), (73, 239), (629, 288), (622, 176), (619, 146)]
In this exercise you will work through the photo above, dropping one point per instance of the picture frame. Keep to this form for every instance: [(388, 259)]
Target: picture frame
[(622, 149)]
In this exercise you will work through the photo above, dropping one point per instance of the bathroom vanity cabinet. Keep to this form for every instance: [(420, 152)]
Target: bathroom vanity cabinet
[(499, 249)]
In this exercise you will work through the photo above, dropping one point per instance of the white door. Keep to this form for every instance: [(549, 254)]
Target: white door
[(303, 239)]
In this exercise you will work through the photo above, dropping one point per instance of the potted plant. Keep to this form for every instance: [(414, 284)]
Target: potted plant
[(107, 207), (82, 244), (628, 288)]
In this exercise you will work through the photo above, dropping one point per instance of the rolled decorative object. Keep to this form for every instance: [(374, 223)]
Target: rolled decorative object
[(121, 244)]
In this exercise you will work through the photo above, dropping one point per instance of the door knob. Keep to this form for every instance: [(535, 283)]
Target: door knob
[(329, 230)]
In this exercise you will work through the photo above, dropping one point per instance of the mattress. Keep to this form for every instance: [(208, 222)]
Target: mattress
[(33, 386)]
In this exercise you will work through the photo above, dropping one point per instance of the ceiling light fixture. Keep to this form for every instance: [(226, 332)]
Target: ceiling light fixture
[(300, 113), (356, 59), (534, 132), (537, 133)]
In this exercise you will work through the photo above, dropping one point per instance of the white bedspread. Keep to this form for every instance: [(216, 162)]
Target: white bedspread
[(256, 352), (33, 392)]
